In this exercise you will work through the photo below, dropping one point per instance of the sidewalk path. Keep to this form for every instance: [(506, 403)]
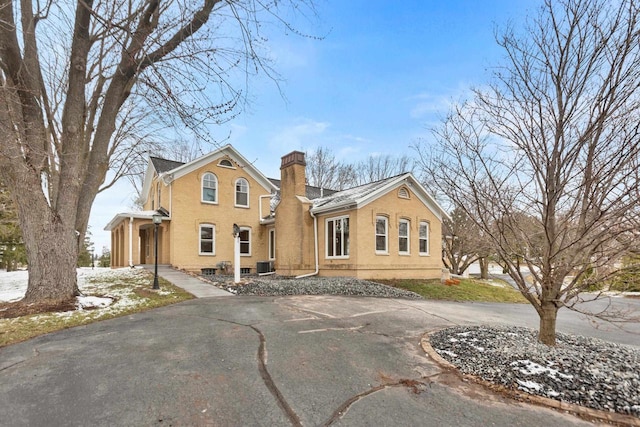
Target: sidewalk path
[(191, 284)]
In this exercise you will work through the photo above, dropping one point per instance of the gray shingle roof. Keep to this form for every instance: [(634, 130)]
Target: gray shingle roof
[(164, 165), (311, 191)]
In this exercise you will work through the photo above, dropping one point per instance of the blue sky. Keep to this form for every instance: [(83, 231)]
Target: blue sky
[(383, 74)]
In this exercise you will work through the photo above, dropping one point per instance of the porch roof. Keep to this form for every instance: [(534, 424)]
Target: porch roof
[(135, 214)]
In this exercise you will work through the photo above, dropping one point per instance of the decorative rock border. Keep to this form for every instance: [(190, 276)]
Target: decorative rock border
[(589, 413)]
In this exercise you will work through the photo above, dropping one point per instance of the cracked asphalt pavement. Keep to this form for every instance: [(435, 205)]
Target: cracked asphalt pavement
[(257, 361)]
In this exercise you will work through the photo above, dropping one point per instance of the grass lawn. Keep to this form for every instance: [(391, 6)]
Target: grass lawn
[(113, 294), (467, 290)]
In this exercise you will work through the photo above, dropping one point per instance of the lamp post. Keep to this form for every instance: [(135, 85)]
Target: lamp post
[(157, 220)]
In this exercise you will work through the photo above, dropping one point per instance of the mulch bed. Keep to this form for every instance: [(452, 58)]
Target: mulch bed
[(10, 310)]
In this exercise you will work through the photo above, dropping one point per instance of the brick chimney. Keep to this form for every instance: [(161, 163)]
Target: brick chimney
[(292, 175), (294, 225)]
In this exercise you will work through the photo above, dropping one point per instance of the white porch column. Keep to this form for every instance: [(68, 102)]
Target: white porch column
[(130, 241), (236, 259)]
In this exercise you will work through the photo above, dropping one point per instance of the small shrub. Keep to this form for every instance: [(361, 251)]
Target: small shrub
[(628, 280)]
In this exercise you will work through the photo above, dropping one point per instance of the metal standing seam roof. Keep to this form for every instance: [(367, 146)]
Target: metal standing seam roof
[(352, 194)]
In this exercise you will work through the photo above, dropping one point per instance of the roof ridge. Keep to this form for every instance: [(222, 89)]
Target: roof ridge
[(374, 182)]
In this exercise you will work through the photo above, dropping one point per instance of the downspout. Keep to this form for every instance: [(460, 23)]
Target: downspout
[(315, 246), (131, 242)]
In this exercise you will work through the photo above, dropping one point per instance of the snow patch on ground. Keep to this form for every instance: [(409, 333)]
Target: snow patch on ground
[(528, 367), (85, 302), (529, 385), (104, 290), (13, 285)]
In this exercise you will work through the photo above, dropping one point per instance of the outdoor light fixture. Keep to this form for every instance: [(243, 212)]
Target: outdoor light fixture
[(157, 220)]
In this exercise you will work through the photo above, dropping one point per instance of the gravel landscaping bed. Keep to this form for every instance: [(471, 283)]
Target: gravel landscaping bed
[(585, 371), (279, 286)]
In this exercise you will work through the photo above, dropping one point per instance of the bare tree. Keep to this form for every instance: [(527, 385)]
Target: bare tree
[(179, 150), (70, 77), (323, 170), (378, 167), (464, 243), (545, 159)]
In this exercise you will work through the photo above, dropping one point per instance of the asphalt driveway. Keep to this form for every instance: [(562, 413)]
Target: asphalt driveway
[(246, 361)]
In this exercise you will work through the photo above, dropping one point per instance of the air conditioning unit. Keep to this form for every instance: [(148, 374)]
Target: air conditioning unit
[(263, 267)]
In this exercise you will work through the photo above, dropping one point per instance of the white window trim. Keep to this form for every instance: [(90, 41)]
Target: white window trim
[(226, 166), (249, 230), (426, 224), (213, 240), (385, 251), (326, 238), (272, 243), (215, 202), (235, 193), (408, 237)]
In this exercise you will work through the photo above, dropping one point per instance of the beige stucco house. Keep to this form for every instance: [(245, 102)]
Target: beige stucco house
[(385, 229)]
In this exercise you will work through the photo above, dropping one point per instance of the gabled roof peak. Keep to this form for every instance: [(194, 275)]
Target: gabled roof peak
[(164, 165)]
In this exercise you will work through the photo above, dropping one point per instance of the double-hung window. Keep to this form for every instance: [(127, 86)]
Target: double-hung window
[(207, 242), (424, 238), (245, 241), (337, 231), (382, 232), (209, 188), (242, 193), (403, 237)]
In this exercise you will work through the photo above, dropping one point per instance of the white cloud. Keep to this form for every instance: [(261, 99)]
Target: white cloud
[(427, 103), (298, 136), (236, 132), (347, 152), (289, 56)]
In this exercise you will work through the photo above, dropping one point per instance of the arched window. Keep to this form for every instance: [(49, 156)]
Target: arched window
[(226, 163), (209, 188), (242, 192)]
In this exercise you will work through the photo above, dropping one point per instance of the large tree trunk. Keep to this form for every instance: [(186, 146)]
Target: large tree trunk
[(548, 314), (484, 268), (51, 246), (52, 268)]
